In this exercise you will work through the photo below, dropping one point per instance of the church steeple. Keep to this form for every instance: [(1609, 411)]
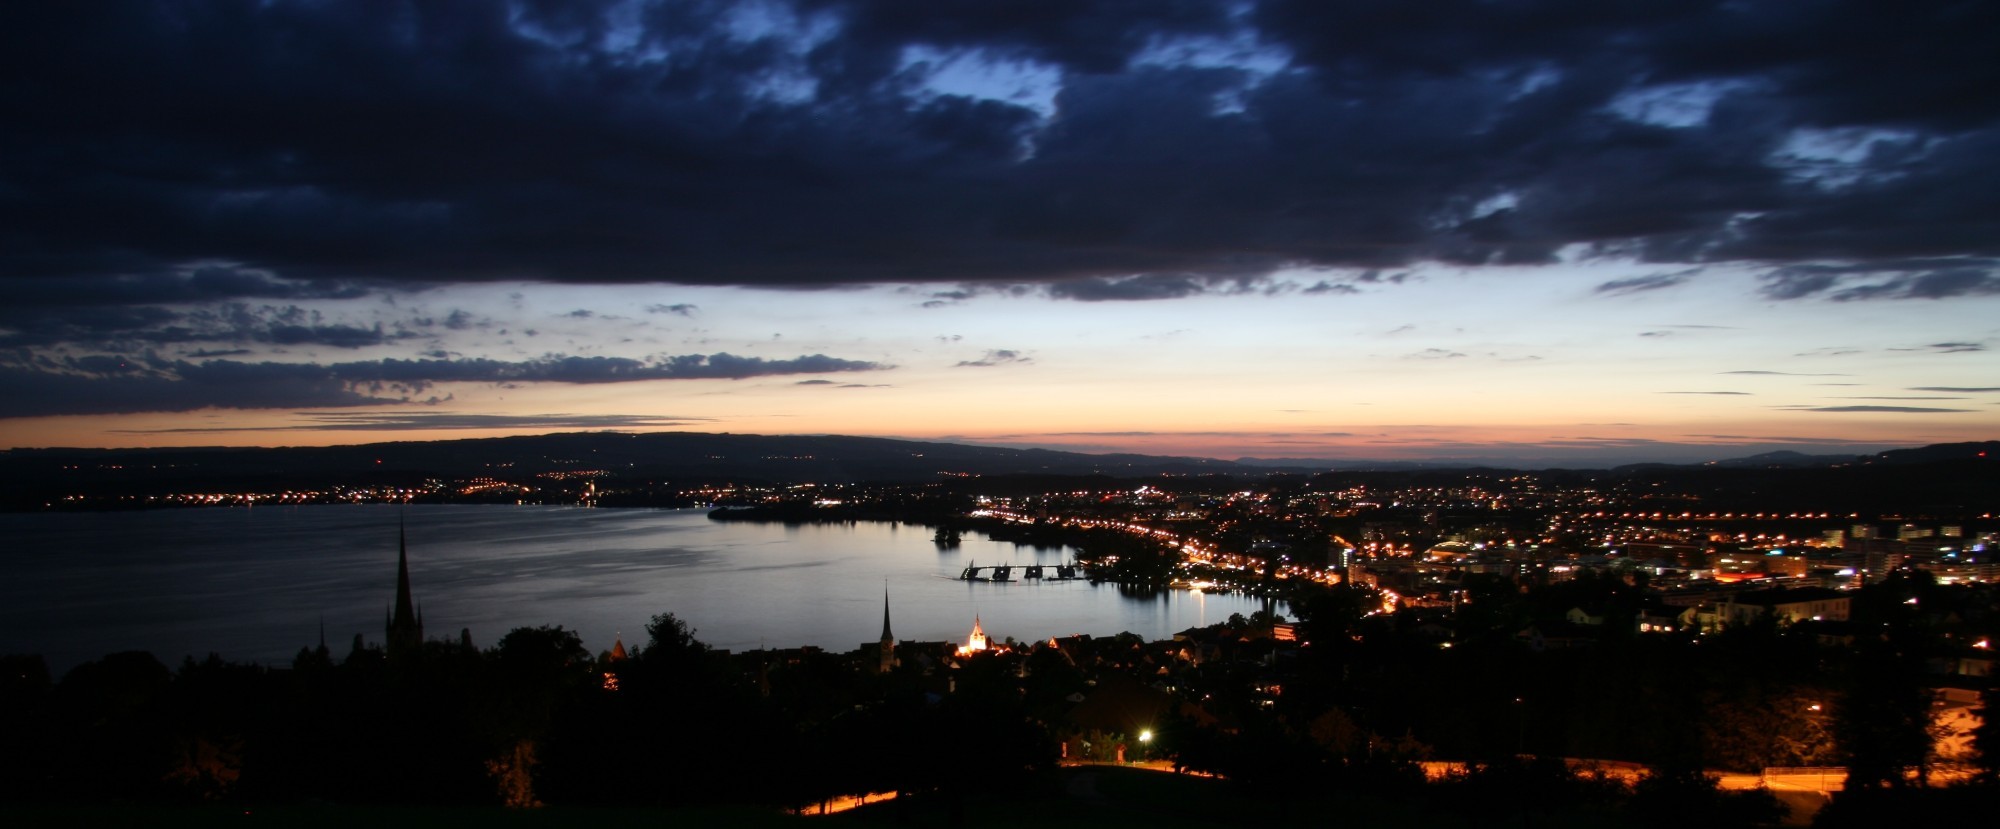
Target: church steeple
[(888, 639), (886, 635), (406, 625), (977, 642), (611, 662)]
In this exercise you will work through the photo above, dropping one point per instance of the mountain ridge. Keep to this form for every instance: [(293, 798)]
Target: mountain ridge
[(725, 456)]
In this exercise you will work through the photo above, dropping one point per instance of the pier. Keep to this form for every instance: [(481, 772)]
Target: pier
[(1028, 572)]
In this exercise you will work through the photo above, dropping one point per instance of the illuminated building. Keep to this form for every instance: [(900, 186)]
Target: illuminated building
[(611, 663), (976, 642)]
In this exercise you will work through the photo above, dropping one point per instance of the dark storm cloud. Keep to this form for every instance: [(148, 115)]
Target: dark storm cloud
[(940, 299), (206, 283), (1899, 279), (1083, 35), (1768, 438), (1200, 434), (217, 384), (28, 327), (996, 357), (41, 385), (423, 421), (317, 147), (1640, 284), (1152, 286), (229, 322), (1888, 409), (719, 366)]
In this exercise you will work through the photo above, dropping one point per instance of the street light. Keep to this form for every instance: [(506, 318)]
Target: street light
[(1521, 733), (1145, 743)]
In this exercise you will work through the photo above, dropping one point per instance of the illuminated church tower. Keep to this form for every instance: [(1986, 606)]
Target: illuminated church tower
[(406, 622), (977, 642)]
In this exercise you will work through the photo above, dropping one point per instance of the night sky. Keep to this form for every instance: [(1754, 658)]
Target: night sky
[(1578, 232)]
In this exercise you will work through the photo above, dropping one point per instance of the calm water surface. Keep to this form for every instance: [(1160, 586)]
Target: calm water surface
[(255, 584)]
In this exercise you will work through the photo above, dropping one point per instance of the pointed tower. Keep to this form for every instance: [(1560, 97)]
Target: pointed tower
[(977, 642), (406, 627), (608, 666), (888, 639)]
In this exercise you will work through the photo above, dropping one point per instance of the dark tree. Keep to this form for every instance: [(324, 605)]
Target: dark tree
[(537, 671), (1883, 723), (1986, 740), (26, 720), (671, 640), (1693, 799)]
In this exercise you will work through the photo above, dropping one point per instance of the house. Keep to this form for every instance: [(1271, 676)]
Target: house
[(1789, 605), (1799, 604), (1580, 616)]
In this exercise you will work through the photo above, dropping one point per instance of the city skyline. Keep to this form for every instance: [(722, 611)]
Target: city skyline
[(1509, 232)]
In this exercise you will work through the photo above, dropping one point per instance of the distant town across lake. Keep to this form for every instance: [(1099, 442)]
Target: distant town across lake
[(257, 584)]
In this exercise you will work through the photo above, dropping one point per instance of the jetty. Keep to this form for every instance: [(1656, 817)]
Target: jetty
[(1028, 572)]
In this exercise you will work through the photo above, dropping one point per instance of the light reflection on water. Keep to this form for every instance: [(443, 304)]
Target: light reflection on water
[(255, 584)]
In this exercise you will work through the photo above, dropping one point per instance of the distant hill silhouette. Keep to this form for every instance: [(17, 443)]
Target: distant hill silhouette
[(681, 456), (1959, 474), (1985, 449), (1787, 459)]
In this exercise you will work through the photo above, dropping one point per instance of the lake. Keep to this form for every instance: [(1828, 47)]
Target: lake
[(256, 584)]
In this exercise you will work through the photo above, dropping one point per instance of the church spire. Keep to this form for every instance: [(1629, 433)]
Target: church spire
[(888, 639), (406, 626), (886, 635), (977, 642)]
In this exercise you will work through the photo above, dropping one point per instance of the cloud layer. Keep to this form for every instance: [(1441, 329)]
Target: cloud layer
[(113, 385), (312, 207), (1111, 149)]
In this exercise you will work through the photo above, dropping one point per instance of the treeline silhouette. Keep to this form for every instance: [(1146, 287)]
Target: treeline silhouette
[(537, 719), (528, 721)]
